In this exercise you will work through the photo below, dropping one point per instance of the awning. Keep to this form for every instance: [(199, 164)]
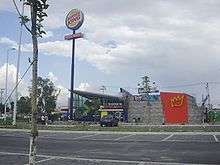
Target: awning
[(91, 95)]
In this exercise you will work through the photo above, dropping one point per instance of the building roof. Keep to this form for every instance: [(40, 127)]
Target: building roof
[(91, 95)]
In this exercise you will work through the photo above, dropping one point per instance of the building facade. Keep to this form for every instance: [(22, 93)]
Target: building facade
[(147, 108), (164, 108)]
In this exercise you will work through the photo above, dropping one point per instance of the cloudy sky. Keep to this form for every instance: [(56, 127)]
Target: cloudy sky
[(175, 42)]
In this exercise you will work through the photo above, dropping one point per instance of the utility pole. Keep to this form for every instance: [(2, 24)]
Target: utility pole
[(1, 98), (6, 82), (146, 84), (18, 66), (1, 94), (103, 89), (208, 96), (6, 86)]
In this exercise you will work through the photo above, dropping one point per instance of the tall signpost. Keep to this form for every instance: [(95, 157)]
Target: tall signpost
[(74, 21)]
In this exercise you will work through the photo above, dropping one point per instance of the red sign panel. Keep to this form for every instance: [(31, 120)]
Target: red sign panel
[(175, 107), (73, 36)]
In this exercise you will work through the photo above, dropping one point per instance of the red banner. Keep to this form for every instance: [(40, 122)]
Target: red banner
[(174, 107)]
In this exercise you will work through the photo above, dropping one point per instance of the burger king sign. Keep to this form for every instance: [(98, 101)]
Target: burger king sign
[(74, 19)]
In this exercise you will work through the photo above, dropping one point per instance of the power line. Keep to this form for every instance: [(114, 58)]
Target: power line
[(164, 87), (19, 82), (171, 86), (183, 85), (213, 82)]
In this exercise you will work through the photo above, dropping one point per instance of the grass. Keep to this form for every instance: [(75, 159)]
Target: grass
[(7, 121), (120, 128)]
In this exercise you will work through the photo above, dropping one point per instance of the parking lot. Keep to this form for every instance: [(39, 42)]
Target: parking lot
[(112, 148), (121, 136)]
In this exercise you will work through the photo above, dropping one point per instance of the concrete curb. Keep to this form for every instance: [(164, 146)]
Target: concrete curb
[(114, 132)]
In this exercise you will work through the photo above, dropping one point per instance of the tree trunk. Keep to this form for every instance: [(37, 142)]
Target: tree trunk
[(34, 131)]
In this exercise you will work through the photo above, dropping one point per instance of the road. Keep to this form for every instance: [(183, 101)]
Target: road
[(98, 148)]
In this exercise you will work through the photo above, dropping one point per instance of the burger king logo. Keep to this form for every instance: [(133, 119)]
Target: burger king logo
[(74, 19)]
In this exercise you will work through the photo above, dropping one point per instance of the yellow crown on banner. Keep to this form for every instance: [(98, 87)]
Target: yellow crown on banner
[(177, 101)]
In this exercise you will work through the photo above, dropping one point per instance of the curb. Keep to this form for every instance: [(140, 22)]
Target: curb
[(115, 132)]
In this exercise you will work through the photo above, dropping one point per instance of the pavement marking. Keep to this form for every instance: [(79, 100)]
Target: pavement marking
[(76, 138), (83, 136), (50, 157), (13, 153), (123, 137), (44, 160), (166, 138), (216, 139), (200, 141), (142, 163), (22, 154)]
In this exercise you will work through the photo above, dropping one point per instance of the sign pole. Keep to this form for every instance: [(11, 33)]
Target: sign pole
[(74, 20), (72, 78)]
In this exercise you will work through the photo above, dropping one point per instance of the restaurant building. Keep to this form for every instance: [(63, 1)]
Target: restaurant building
[(148, 108)]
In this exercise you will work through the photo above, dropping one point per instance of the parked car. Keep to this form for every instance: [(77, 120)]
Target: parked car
[(41, 119), (65, 116), (109, 120), (44, 119)]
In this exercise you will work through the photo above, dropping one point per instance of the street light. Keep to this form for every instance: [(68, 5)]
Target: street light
[(18, 66), (6, 80), (1, 94)]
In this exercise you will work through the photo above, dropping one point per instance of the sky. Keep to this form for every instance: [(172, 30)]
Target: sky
[(174, 42)]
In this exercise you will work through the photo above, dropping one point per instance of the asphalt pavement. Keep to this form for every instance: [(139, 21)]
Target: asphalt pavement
[(110, 148)]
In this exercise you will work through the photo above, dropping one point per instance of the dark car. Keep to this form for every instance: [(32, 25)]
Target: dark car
[(108, 120), (41, 119), (65, 116), (44, 119)]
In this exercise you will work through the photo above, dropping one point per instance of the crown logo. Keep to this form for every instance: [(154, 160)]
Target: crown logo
[(177, 101)]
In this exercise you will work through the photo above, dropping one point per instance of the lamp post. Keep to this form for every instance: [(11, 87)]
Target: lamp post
[(1, 94), (6, 81), (18, 66)]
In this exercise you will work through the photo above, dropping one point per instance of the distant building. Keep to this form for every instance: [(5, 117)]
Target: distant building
[(92, 106), (164, 108), (148, 108)]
